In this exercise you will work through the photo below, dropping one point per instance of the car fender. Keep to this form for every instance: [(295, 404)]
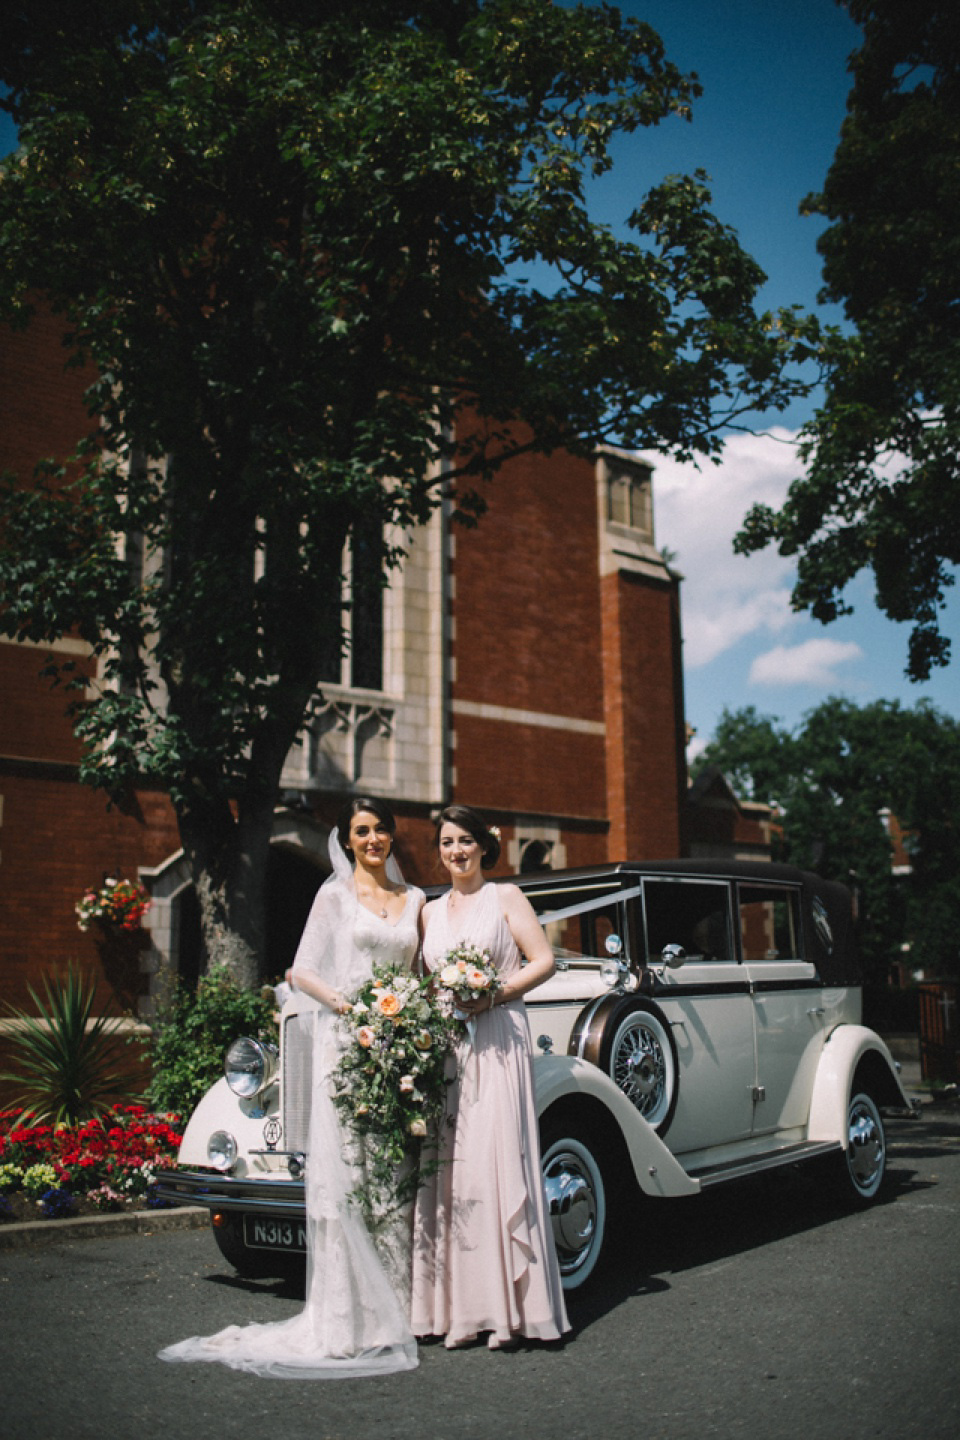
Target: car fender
[(221, 1109), (847, 1049), (564, 1080)]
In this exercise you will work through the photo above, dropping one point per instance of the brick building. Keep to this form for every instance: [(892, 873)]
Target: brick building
[(530, 667)]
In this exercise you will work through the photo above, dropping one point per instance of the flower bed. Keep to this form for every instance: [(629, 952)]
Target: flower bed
[(102, 1165)]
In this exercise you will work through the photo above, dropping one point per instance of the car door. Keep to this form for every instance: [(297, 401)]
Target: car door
[(787, 998), (706, 1001)]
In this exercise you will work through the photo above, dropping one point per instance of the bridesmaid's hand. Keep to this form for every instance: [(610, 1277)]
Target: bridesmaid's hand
[(480, 1006)]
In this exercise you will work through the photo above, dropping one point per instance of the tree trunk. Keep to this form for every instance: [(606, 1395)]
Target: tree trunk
[(228, 862)]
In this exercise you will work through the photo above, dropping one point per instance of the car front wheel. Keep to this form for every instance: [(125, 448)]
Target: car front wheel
[(578, 1200)]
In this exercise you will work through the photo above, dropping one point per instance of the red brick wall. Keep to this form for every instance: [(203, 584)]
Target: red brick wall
[(33, 719), (526, 614), (43, 411), (529, 768), (56, 838), (527, 607), (536, 629), (644, 716)]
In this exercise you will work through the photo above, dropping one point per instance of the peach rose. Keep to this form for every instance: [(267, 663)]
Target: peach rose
[(477, 980), (366, 1036), (389, 1004)]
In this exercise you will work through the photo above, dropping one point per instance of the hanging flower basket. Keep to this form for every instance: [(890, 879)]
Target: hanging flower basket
[(120, 904)]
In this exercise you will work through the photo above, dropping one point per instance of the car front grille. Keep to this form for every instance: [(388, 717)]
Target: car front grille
[(297, 1080)]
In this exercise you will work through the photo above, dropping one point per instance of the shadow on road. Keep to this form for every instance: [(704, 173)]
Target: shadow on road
[(669, 1237), (663, 1238)]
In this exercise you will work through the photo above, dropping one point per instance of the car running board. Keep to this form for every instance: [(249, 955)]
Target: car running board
[(772, 1160)]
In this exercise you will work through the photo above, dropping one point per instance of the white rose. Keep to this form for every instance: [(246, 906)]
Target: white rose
[(450, 975)]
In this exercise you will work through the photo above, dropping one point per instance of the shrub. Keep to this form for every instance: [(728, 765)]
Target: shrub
[(64, 1058), (190, 1035)]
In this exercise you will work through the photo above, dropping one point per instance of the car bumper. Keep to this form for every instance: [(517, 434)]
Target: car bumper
[(245, 1195)]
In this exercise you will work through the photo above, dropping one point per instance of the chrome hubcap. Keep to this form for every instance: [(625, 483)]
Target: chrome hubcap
[(572, 1205), (865, 1151)]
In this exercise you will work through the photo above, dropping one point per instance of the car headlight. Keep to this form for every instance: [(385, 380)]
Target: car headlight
[(221, 1150), (249, 1066)]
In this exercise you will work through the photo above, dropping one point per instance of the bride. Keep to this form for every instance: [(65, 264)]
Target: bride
[(355, 1321)]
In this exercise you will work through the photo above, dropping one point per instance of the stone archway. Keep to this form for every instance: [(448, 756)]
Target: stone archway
[(298, 865)]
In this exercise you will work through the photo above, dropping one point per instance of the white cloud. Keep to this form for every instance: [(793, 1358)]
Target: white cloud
[(726, 597), (815, 662), (696, 746)]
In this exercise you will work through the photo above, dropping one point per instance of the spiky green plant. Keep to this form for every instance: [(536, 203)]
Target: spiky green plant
[(64, 1057)]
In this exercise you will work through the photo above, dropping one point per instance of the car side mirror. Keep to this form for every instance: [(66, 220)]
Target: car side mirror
[(673, 956)]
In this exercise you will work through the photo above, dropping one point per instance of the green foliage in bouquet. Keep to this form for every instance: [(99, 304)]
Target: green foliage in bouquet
[(391, 1084), (191, 1033), (65, 1057)]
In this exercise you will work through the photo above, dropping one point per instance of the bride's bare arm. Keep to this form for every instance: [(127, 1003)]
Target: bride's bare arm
[(311, 984)]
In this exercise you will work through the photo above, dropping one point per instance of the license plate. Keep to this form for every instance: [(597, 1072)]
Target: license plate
[(274, 1233)]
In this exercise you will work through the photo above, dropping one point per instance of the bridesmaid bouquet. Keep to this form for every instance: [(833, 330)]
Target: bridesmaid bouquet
[(466, 973), (390, 1083)]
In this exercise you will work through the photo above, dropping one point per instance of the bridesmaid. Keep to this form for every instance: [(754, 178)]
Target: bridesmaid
[(483, 1252)]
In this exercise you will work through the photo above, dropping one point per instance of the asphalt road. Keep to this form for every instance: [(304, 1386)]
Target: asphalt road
[(755, 1311)]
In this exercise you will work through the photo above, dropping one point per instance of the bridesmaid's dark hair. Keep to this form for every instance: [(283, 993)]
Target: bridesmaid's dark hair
[(475, 825), (354, 805)]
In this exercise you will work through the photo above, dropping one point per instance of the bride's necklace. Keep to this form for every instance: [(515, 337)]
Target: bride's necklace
[(369, 903)]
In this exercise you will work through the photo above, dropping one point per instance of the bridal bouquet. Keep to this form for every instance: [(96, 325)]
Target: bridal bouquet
[(466, 973), (390, 1083)]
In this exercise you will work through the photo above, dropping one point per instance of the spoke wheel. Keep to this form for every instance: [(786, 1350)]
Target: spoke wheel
[(641, 1060)]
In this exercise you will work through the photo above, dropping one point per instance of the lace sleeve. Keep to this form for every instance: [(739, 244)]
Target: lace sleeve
[(326, 946)]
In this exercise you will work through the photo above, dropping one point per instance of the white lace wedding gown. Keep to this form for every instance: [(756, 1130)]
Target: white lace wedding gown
[(355, 1320)]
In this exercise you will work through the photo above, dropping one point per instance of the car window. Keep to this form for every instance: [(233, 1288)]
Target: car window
[(769, 923), (585, 932), (694, 914)]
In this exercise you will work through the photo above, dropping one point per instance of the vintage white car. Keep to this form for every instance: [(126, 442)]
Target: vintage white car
[(703, 1025)]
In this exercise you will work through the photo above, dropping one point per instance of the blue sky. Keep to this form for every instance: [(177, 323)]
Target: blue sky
[(775, 86), (765, 129)]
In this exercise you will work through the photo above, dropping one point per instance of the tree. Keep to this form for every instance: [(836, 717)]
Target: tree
[(287, 235), (882, 485), (836, 779)]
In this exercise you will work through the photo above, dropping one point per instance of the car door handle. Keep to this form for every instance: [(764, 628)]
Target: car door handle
[(817, 1010)]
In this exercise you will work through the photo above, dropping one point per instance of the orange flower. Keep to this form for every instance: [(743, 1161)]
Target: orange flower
[(365, 1036), (389, 1004)]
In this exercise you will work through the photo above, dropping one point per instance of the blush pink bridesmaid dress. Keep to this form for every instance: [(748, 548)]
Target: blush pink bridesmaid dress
[(483, 1251)]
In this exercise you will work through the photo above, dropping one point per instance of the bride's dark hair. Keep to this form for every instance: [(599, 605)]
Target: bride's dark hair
[(354, 805), (475, 825)]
